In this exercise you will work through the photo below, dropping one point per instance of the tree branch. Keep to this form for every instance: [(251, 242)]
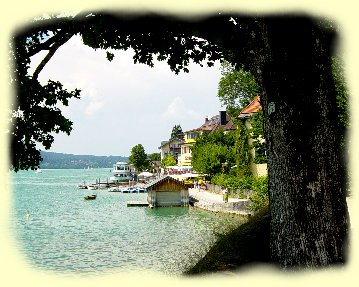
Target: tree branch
[(52, 51), (45, 45), (52, 25)]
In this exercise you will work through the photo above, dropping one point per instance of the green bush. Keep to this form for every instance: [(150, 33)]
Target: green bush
[(260, 197), (259, 185), (233, 182)]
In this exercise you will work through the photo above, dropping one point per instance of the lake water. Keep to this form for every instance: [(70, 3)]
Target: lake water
[(57, 230)]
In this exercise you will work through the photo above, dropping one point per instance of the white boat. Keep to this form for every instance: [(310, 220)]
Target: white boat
[(114, 189), (133, 190), (92, 187), (122, 171), (141, 190), (38, 171)]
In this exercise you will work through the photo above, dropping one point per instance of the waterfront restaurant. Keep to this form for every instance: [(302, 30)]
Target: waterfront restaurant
[(167, 191)]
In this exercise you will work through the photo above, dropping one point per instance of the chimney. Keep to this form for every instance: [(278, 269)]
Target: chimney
[(222, 118), (206, 119)]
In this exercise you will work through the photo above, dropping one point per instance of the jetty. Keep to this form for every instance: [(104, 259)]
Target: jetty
[(137, 203)]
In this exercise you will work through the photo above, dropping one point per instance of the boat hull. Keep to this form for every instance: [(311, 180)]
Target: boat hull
[(90, 197)]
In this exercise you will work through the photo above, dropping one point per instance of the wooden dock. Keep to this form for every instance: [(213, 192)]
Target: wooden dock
[(137, 203)]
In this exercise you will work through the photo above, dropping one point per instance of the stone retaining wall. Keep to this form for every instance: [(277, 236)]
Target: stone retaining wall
[(237, 207), (218, 189)]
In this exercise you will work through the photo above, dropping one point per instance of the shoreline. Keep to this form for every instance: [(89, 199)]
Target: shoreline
[(214, 202)]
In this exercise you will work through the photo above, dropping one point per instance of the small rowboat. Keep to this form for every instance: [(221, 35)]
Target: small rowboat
[(89, 197)]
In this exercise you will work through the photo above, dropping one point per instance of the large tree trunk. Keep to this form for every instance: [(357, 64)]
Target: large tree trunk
[(309, 218)]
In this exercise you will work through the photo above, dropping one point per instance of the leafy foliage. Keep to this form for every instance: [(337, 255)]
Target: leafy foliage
[(213, 153), (169, 160), (36, 113), (138, 158), (257, 135), (242, 147), (233, 181), (35, 117), (177, 133), (236, 88), (259, 186), (260, 197), (154, 156), (269, 47)]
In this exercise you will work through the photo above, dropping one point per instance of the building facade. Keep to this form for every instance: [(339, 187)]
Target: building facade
[(182, 150), (172, 147), (220, 121)]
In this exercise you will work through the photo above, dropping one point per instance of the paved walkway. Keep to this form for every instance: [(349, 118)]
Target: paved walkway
[(214, 202), (209, 196)]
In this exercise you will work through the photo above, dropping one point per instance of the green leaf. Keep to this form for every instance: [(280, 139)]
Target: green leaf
[(109, 56)]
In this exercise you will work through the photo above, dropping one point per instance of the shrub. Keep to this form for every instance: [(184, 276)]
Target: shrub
[(260, 197), (259, 186)]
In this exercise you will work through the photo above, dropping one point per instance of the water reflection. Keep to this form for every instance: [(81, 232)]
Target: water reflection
[(167, 211)]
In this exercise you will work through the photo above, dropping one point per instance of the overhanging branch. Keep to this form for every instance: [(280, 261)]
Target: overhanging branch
[(52, 51)]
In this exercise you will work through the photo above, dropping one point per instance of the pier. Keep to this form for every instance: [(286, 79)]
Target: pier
[(137, 203)]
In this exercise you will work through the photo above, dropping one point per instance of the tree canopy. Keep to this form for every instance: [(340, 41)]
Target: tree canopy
[(154, 156), (138, 158), (177, 133), (290, 58), (236, 88), (213, 153), (35, 113), (168, 160)]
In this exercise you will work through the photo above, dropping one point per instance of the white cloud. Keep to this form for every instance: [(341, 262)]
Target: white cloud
[(144, 103), (94, 102), (178, 110), (93, 107)]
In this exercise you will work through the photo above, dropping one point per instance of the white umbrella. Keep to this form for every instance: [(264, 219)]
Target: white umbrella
[(190, 174), (145, 174), (173, 167)]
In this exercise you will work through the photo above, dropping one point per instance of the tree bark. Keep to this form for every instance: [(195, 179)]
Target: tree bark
[(291, 59), (309, 218)]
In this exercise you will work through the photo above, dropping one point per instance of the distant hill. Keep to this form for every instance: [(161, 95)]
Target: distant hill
[(63, 160)]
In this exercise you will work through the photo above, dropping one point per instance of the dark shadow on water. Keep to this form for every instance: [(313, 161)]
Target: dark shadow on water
[(167, 211)]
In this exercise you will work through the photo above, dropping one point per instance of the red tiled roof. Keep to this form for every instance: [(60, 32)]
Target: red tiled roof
[(253, 107)]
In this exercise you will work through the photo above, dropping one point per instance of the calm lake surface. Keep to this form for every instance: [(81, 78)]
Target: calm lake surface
[(57, 230)]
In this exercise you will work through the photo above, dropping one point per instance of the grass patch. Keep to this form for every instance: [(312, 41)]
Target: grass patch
[(249, 243)]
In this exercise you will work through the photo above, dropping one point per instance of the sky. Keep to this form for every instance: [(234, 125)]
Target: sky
[(124, 104), (86, 139)]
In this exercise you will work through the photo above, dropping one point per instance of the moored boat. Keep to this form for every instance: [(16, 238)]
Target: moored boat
[(82, 186), (122, 171), (114, 189), (90, 197), (92, 187), (133, 190)]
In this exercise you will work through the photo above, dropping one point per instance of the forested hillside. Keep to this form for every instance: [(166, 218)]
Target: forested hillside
[(61, 160)]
